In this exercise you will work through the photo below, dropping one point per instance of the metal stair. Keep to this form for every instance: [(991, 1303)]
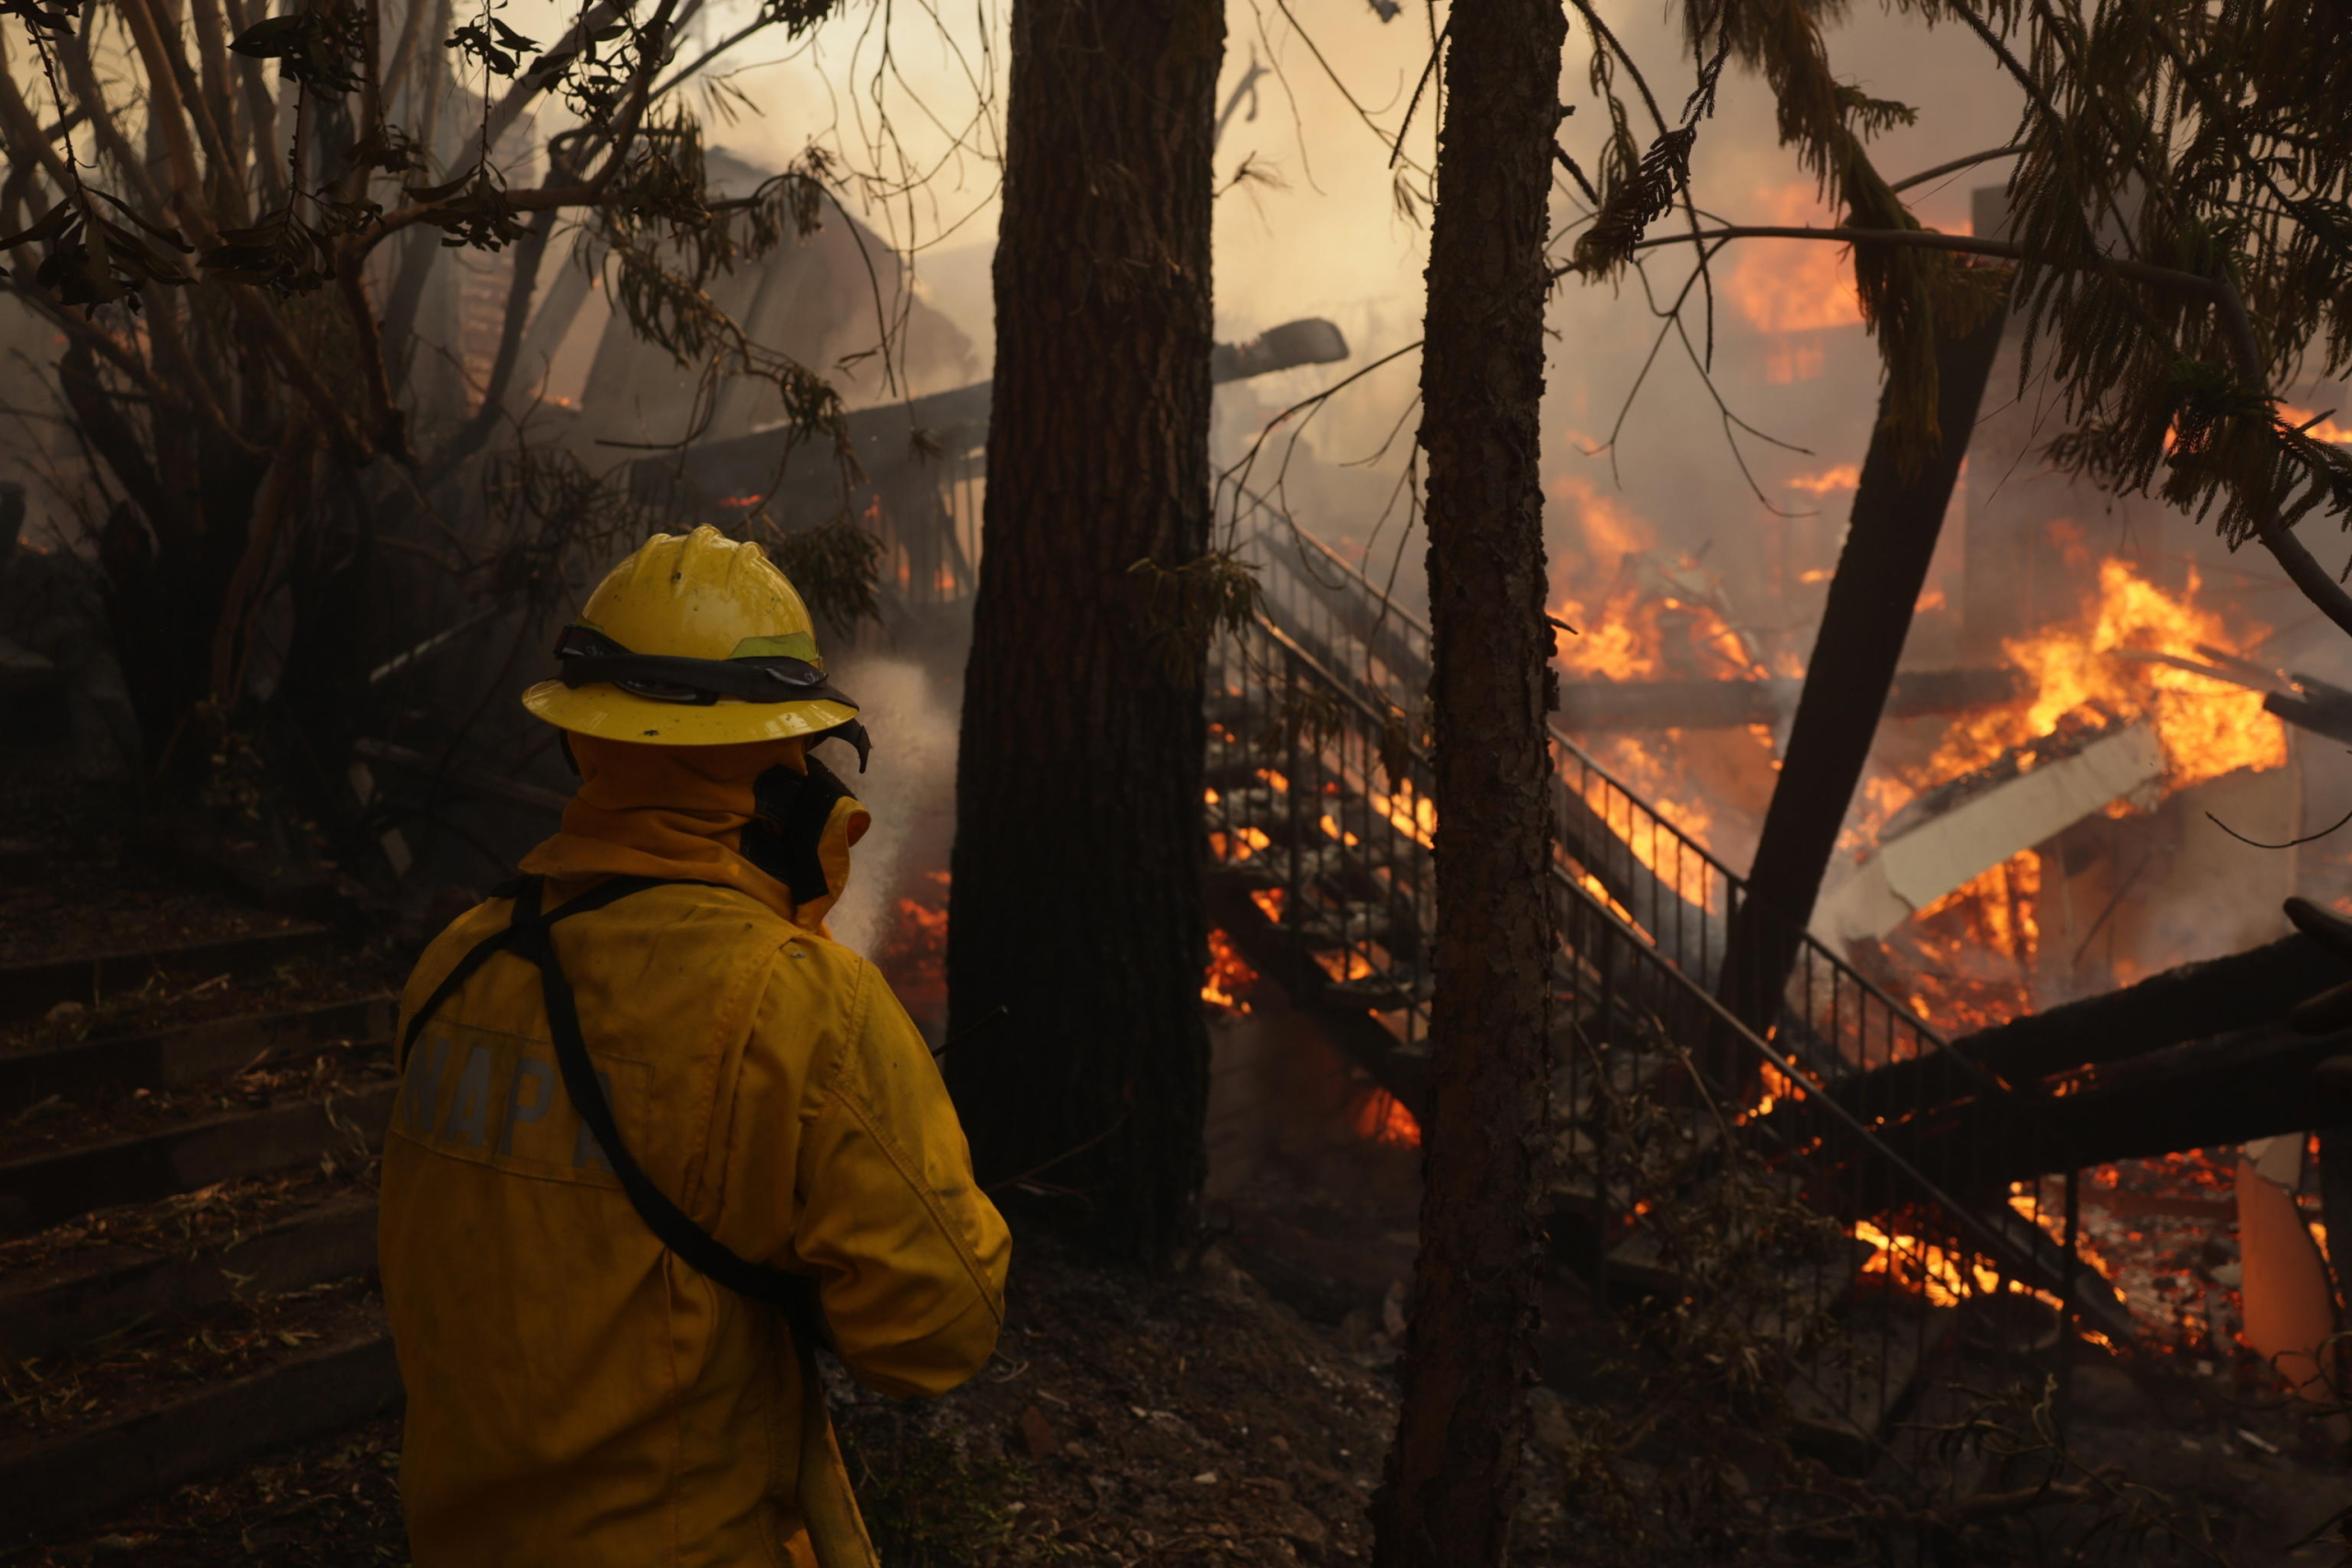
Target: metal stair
[(1322, 876)]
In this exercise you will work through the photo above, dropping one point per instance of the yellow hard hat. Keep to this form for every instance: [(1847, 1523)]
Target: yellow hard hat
[(693, 640)]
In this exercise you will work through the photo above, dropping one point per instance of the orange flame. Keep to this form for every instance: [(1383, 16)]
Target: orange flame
[(1631, 632), (1381, 1117), (1793, 286), (1844, 476), (2326, 429), (2207, 728)]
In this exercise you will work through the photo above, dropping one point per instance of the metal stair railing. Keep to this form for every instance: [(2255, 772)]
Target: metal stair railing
[(1324, 861), (1834, 1022), (1666, 883)]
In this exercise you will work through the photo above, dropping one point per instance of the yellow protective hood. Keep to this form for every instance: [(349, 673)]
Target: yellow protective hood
[(680, 811)]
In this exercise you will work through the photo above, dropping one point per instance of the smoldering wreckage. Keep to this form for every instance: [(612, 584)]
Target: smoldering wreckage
[(2030, 1147)]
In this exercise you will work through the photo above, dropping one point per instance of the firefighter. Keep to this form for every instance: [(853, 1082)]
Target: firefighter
[(657, 1134)]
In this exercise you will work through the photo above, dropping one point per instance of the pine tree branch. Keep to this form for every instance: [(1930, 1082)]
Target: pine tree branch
[(2298, 563), (1931, 239), (1924, 175)]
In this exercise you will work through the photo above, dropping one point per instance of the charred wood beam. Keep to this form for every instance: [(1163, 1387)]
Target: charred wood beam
[(2196, 1001), (1899, 506), (2322, 708), (1312, 341), (889, 436), (2254, 1083), (1619, 705), (1974, 829), (1277, 955)]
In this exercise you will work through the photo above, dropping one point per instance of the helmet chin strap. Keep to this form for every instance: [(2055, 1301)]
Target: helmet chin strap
[(851, 734)]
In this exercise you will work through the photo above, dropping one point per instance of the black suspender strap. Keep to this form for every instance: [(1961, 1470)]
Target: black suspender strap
[(528, 937), (609, 891)]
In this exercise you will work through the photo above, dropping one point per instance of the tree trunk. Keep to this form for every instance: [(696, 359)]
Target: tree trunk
[(1079, 855), (1890, 541), (1451, 1480)]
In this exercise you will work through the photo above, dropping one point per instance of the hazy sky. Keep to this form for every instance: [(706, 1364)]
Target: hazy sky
[(1329, 240)]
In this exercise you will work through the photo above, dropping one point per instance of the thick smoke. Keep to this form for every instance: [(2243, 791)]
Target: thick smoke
[(910, 787)]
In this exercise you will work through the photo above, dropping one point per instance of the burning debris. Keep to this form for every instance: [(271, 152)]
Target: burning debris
[(1945, 839), (2076, 740)]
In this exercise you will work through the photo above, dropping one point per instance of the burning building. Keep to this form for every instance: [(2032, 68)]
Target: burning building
[(2105, 740)]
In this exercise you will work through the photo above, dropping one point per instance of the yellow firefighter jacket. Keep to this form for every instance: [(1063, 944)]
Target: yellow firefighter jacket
[(576, 1393)]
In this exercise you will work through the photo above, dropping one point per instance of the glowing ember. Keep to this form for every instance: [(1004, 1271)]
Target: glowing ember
[(1228, 978), (1666, 787), (1656, 619), (1778, 1087), (1971, 954), (1928, 1269), (1656, 622), (1413, 815)]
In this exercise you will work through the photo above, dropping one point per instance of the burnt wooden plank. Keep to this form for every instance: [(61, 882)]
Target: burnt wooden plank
[(1604, 706), (2195, 1002), (73, 1302), (46, 1481), (41, 1190), (29, 990), (2254, 1083), (1278, 956), (164, 1058)]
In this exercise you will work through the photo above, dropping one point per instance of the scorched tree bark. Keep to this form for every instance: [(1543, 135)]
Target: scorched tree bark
[(1077, 890), (1469, 1352)]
